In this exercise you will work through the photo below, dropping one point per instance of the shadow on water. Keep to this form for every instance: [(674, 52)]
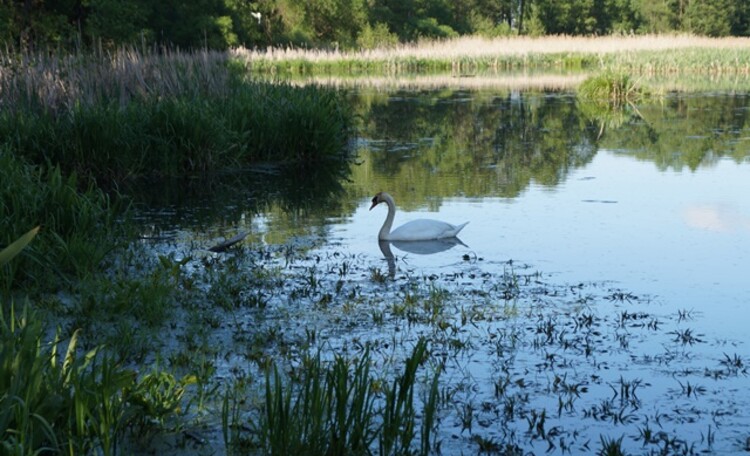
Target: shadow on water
[(230, 198)]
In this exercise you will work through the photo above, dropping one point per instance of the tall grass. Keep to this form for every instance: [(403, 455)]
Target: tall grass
[(616, 89), (338, 410), (72, 403), (160, 113), (77, 222)]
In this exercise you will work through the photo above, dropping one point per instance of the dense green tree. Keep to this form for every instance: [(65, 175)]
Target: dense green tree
[(710, 17), (657, 16), (741, 18), (349, 23), (117, 22), (336, 21), (572, 17)]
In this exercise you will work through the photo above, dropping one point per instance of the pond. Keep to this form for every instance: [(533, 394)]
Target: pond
[(599, 290)]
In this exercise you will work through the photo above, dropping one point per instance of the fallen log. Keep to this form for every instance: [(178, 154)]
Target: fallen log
[(223, 246)]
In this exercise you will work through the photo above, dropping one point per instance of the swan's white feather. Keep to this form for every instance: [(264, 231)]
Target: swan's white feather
[(424, 229)]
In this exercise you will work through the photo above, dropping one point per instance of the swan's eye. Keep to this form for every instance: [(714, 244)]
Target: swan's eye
[(375, 199)]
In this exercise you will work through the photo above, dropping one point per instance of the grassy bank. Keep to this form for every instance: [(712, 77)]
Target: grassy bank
[(646, 54), (77, 223)]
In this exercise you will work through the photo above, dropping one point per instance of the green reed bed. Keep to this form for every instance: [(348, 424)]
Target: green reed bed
[(354, 65), (690, 61), (636, 55), (642, 62), (147, 113), (616, 89)]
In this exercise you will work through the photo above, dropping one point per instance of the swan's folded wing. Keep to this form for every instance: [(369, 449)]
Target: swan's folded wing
[(424, 229)]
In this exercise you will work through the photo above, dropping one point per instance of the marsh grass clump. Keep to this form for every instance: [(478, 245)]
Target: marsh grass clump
[(616, 89)]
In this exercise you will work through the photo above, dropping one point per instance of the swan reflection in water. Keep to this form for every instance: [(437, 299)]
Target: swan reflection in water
[(416, 247)]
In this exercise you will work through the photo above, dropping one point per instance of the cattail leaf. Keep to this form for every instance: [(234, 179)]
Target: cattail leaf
[(8, 253)]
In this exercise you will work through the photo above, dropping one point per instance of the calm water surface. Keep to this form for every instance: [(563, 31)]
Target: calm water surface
[(656, 202), (651, 202), (680, 237)]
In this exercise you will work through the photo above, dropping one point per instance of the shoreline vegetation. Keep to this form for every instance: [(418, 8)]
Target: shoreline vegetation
[(636, 54), (131, 113), (72, 125)]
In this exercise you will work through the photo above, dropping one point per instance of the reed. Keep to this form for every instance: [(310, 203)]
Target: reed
[(616, 89)]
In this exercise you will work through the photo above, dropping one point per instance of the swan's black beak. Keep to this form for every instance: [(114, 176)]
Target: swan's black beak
[(375, 202)]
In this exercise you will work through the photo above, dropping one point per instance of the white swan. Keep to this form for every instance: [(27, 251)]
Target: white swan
[(417, 230)]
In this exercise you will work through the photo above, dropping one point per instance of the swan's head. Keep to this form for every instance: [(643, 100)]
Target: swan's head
[(377, 199)]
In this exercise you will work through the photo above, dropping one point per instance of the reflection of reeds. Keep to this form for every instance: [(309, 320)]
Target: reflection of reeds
[(517, 81)]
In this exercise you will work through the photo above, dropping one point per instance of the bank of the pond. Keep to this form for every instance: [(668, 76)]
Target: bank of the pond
[(71, 125)]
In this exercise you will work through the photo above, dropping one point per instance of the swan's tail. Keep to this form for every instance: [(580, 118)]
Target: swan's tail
[(460, 227)]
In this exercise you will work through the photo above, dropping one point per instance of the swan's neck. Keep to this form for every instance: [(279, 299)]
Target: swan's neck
[(385, 230)]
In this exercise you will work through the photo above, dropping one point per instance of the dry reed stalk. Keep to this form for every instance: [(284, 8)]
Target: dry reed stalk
[(59, 82)]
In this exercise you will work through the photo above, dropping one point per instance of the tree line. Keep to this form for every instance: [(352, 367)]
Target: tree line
[(348, 24)]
